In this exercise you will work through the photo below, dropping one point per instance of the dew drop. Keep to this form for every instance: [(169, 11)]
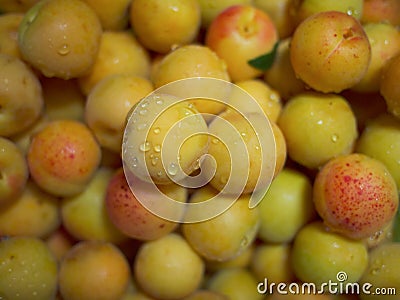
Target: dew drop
[(172, 169), (157, 148), (143, 112), (154, 161), (159, 173), (334, 138), (215, 141), (157, 130), (145, 146), (141, 127), (63, 50), (135, 162)]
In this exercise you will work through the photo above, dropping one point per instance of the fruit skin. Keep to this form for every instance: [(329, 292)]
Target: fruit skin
[(384, 39), (103, 270), (289, 198), (9, 24), (248, 30), (317, 127), (119, 53), (21, 96), (34, 213), (355, 195), (389, 88), (61, 38), (28, 269), (108, 104), (382, 271), (318, 255), (178, 23), (330, 51), (381, 11), (384, 128), (211, 8), (85, 217), (128, 214), (63, 156), (13, 170), (305, 8), (112, 15), (227, 235), (168, 268), (235, 283)]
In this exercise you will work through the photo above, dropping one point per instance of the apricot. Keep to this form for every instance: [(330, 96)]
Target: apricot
[(389, 88), (63, 157), (355, 195), (61, 38), (330, 51), (178, 23)]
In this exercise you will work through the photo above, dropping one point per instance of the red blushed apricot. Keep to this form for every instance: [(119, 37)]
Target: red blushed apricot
[(330, 51), (355, 195), (63, 157), (128, 214), (241, 33), (377, 11)]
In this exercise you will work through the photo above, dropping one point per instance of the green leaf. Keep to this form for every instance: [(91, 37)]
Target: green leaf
[(396, 228), (265, 61)]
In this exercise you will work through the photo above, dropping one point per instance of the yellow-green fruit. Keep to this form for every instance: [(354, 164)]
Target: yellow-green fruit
[(9, 24), (385, 129), (318, 127), (286, 207), (235, 283), (272, 261), (113, 15), (390, 89), (381, 276), (93, 270), (108, 105), (119, 53), (84, 215), (28, 270), (228, 234), (61, 38), (34, 213), (281, 76), (319, 255), (21, 98), (168, 268), (384, 39), (178, 23)]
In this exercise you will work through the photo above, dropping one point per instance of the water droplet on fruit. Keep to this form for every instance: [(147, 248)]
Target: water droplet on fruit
[(143, 112), (135, 162), (334, 138), (63, 50), (157, 148), (145, 146), (141, 127), (172, 169), (215, 141), (159, 101), (154, 161), (157, 130)]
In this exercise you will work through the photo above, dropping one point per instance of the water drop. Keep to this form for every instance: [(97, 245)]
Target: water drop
[(159, 173), (320, 122), (334, 138), (215, 141), (157, 148), (154, 161), (145, 146), (172, 169), (135, 162), (141, 126), (63, 50), (157, 130), (143, 112), (159, 101), (243, 134)]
